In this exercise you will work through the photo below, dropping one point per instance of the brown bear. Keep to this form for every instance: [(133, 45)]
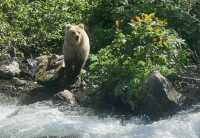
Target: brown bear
[(76, 49)]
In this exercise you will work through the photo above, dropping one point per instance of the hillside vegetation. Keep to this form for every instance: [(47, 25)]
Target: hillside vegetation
[(129, 40)]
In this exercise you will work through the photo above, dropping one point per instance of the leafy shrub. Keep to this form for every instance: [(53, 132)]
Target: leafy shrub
[(184, 19), (120, 68), (196, 9), (36, 27), (104, 15), (183, 16)]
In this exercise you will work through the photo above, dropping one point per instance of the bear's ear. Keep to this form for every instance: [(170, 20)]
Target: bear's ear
[(81, 26), (67, 27)]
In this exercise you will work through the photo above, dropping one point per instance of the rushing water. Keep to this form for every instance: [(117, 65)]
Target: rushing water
[(43, 119)]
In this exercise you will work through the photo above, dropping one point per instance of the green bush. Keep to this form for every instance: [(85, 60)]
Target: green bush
[(182, 16), (37, 27), (196, 9), (106, 12), (121, 67), (185, 20)]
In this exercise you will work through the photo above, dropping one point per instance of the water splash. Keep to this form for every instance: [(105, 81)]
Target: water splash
[(42, 119)]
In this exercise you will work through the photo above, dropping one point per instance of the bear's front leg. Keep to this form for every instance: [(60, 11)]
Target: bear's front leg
[(79, 64), (68, 68)]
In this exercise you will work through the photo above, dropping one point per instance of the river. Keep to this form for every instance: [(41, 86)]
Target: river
[(45, 119)]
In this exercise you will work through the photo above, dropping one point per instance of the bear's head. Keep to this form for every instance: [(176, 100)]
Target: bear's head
[(74, 33)]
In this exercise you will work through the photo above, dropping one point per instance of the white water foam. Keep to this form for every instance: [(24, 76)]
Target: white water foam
[(38, 120)]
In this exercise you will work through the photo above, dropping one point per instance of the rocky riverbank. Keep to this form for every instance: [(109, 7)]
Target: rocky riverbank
[(38, 79), (43, 78)]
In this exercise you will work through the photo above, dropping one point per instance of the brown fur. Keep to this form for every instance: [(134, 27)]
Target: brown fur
[(76, 49)]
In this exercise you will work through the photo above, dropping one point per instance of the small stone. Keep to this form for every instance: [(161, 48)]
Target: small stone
[(65, 96)]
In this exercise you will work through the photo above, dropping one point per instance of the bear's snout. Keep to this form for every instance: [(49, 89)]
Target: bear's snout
[(76, 37)]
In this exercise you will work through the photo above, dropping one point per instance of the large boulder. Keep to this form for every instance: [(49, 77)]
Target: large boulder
[(43, 68), (48, 67), (9, 70), (159, 96), (8, 67)]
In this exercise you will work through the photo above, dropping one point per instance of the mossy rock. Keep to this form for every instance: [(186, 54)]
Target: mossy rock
[(48, 67)]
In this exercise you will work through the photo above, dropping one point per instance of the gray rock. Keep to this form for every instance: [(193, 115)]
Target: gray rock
[(160, 96), (5, 59), (65, 96), (19, 82), (10, 70), (15, 88)]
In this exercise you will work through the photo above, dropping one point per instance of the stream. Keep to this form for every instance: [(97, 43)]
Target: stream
[(44, 119)]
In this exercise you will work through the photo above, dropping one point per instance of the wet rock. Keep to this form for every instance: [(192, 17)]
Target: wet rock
[(16, 87), (10, 70), (65, 96), (160, 97)]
